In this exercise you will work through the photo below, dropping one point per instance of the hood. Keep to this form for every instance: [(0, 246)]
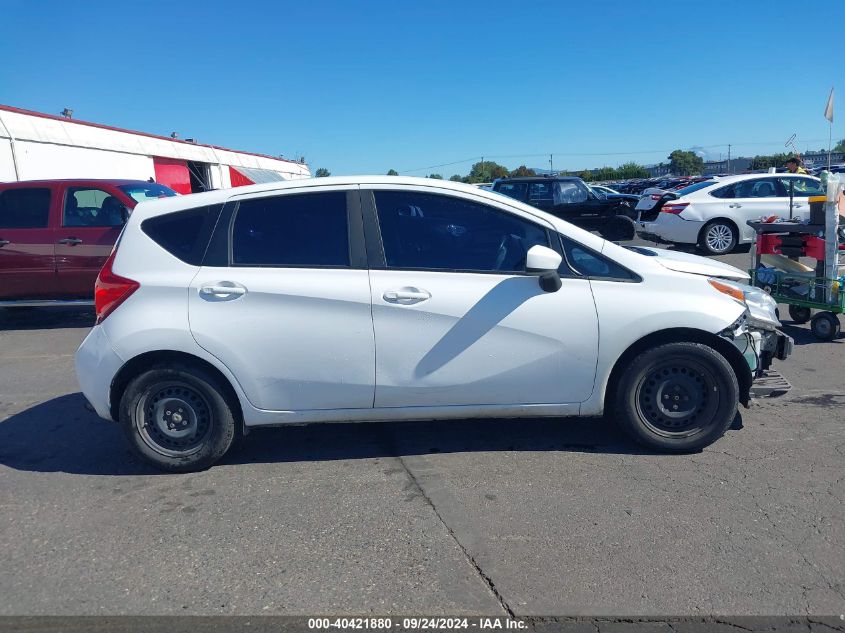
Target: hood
[(694, 264)]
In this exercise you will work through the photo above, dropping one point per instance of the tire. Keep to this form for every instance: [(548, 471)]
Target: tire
[(691, 376), (825, 326), (619, 228), (799, 314), (718, 237), (160, 400)]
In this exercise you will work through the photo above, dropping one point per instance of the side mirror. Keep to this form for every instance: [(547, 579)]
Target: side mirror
[(544, 262)]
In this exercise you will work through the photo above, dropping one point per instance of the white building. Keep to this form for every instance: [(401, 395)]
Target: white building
[(36, 146)]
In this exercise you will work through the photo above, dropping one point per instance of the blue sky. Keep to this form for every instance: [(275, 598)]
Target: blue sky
[(363, 87)]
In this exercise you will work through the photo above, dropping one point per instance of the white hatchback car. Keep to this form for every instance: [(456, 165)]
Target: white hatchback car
[(388, 298), (713, 213)]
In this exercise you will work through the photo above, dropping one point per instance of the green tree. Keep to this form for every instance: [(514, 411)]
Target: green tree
[(685, 163), (456, 178), (605, 173), (322, 173), (632, 170), (522, 170), (486, 171), (766, 161), (436, 176), (840, 146), (392, 172), (586, 175)]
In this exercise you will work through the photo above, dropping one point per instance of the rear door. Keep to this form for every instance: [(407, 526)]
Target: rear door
[(27, 256), (91, 220), (283, 300)]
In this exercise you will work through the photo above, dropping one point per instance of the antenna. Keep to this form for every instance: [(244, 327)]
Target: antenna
[(790, 142)]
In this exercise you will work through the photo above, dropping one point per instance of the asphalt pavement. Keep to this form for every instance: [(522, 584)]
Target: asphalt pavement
[(524, 517)]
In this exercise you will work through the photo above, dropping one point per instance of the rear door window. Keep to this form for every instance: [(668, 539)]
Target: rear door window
[(296, 230), (86, 206), (753, 188), (25, 208), (516, 190), (540, 193)]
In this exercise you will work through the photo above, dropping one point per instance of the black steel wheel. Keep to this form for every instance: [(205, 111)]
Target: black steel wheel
[(799, 314), (677, 397), (825, 326), (178, 417)]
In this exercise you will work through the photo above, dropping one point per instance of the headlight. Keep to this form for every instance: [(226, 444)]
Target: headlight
[(761, 307)]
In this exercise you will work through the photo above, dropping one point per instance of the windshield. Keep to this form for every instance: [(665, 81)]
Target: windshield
[(147, 191)]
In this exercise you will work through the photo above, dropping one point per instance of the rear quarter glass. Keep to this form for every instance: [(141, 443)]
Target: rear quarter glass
[(184, 234)]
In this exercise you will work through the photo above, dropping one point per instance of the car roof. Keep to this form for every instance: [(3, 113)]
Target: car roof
[(740, 177), (77, 181), (220, 196), (535, 178)]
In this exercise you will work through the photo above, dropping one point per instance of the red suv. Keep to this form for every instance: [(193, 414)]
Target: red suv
[(55, 235)]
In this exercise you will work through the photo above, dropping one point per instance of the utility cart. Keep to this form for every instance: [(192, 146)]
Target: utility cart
[(775, 267)]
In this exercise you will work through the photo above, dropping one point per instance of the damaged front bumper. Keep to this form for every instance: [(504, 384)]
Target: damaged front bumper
[(760, 343)]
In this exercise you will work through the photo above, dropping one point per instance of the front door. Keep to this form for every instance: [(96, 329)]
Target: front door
[(458, 321), (799, 189), (90, 224), (27, 254), (288, 312)]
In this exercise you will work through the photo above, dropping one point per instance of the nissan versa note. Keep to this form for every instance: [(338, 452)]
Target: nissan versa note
[(387, 298)]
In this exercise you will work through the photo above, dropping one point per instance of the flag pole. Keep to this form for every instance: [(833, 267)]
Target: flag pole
[(828, 114), (829, 143)]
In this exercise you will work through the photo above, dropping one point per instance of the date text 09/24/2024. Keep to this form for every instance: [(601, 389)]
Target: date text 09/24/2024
[(415, 623)]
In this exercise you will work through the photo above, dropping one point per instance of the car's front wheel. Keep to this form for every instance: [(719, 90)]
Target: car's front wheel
[(177, 418), (677, 397), (718, 238)]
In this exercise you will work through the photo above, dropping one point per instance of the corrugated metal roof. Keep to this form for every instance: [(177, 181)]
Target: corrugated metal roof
[(259, 176), (26, 125)]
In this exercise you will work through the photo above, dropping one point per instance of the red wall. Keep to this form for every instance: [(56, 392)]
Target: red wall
[(172, 173), (238, 179)]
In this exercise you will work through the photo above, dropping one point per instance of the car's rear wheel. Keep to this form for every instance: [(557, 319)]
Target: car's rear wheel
[(718, 237), (177, 418), (678, 397)]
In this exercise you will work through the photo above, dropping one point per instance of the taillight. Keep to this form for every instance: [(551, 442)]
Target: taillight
[(111, 290), (674, 207)]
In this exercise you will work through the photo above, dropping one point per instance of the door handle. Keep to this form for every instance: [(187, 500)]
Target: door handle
[(72, 241), (406, 296), (4, 242), (735, 206), (223, 291)]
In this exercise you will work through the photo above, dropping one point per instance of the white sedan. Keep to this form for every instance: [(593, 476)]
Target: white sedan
[(713, 213), (388, 298)]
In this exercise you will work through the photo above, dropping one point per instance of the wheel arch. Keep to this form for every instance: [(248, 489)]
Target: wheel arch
[(726, 220), (147, 360), (681, 335)]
